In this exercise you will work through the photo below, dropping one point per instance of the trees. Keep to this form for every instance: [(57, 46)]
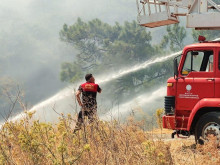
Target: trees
[(175, 37), (102, 47), (70, 69), (88, 39)]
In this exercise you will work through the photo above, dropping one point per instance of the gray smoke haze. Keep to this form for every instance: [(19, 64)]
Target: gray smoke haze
[(31, 52), (64, 102)]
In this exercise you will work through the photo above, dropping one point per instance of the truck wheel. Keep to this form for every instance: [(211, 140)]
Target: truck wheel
[(208, 124)]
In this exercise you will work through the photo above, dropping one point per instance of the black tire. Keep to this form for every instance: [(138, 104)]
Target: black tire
[(211, 119)]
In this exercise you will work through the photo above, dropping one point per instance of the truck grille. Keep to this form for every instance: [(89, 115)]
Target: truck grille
[(169, 104)]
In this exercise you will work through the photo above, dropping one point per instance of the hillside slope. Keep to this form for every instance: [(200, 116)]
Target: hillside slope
[(32, 142)]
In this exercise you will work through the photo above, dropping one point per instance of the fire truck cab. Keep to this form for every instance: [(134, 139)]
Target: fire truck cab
[(192, 104)]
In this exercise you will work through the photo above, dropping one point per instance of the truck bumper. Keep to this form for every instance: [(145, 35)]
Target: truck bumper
[(169, 122)]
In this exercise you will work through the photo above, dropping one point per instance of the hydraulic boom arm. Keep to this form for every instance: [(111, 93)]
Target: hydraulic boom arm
[(200, 14)]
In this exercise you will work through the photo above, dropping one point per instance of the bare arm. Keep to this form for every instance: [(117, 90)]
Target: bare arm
[(78, 98)]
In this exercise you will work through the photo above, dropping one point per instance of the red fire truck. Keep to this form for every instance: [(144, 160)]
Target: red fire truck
[(192, 104)]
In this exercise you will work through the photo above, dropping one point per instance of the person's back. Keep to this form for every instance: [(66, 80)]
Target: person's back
[(88, 104), (89, 91)]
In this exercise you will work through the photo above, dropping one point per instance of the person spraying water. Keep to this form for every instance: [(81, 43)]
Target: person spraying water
[(88, 103), (59, 97)]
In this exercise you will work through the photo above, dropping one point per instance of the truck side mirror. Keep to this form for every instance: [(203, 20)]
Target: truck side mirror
[(175, 64)]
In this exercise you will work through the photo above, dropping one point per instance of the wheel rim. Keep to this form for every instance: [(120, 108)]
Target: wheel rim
[(211, 129)]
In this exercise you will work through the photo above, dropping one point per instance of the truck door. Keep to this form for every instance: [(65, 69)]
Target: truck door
[(197, 79)]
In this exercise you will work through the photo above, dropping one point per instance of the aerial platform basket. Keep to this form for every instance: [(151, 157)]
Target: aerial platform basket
[(159, 13), (200, 14), (157, 19)]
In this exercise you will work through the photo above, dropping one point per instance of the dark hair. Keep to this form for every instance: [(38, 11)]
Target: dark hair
[(88, 76)]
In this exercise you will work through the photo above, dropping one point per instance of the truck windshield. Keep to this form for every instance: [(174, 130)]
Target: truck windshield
[(198, 61)]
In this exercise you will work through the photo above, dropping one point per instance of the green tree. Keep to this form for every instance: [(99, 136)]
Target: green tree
[(70, 72), (102, 47), (175, 37)]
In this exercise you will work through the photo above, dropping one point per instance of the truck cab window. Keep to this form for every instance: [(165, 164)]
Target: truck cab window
[(210, 64), (198, 61)]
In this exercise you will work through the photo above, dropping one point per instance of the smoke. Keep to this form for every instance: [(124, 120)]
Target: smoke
[(31, 51), (146, 101), (65, 101)]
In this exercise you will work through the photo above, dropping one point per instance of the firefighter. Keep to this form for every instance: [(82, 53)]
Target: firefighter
[(88, 103)]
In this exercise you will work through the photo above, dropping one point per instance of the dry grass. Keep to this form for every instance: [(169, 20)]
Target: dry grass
[(33, 142), (187, 152)]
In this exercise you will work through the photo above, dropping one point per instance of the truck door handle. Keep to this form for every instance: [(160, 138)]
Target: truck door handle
[(210, 79)]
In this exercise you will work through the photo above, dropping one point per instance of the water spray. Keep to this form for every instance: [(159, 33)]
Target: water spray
[(137, 68), (127, 107), (68, 91)]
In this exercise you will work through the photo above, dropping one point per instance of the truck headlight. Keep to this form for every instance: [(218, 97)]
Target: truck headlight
[(169, 84)]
